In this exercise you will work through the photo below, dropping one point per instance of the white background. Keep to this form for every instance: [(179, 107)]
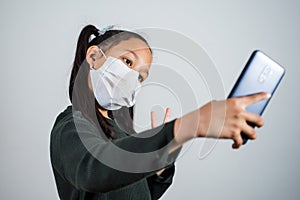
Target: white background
[(37, 44)]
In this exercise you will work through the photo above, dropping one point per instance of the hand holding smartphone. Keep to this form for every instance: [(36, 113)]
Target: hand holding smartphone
[(261, 74)]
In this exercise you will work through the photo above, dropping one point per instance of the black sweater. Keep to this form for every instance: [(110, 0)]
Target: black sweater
[(87, 166)]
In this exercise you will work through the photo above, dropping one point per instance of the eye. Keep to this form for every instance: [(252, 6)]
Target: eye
[(141, 78), (127, 62)]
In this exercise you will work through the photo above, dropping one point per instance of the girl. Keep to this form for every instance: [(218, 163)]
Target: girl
[(95, 152)]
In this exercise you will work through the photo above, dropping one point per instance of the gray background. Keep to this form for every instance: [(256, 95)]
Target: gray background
[(38, 41)]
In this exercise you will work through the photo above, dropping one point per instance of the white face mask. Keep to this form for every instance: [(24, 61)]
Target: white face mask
[(114, 84)]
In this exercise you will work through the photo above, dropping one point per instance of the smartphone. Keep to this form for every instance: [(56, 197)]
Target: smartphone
[(261, 74)]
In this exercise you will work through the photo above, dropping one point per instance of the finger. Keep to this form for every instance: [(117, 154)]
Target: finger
[(238, 141), (167, 115), (248, 131), (256, 119), (153, 119), (253, 98)]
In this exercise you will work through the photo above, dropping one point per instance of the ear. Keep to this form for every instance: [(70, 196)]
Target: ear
[(92, 54)]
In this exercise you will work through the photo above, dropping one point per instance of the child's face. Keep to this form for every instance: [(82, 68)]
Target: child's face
[(135, 54)]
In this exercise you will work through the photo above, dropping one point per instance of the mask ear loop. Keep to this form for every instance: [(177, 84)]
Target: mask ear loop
[(103, 53), (92, 67)]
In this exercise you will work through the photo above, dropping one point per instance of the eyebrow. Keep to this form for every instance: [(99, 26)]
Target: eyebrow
[(136, 57), (132, 52)]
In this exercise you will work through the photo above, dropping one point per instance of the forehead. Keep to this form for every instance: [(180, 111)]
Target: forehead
[(139, 47)]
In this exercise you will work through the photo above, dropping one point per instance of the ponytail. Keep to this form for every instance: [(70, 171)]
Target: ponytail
[(82, 46)]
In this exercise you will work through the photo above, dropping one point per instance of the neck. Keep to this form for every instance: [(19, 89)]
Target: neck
[(104, 113)]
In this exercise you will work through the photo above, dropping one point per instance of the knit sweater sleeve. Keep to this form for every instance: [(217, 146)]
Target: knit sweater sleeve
[(94, 164)]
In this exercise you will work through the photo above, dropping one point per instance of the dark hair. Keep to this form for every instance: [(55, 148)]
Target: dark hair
[(80, 95)]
